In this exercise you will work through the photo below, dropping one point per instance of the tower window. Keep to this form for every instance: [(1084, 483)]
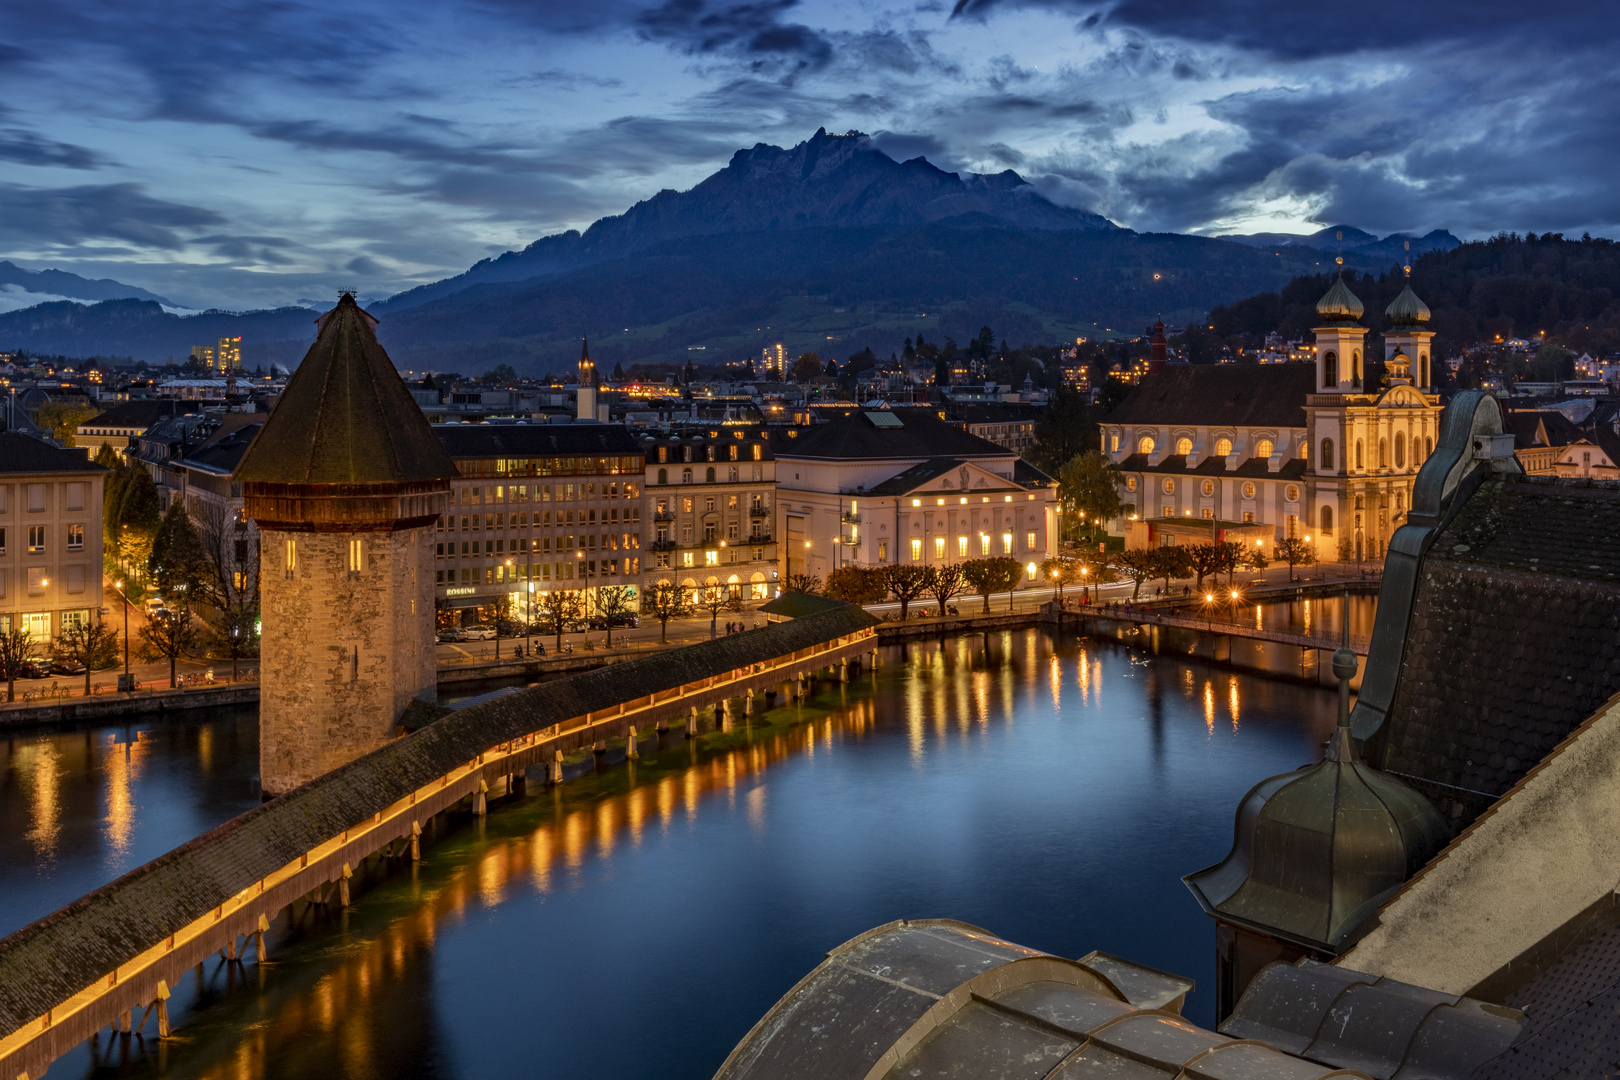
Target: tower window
[(1330, 370), (1327, 521), (1400, 450), (357, 556), (1355, 369), (1359, 464), (1327, 455), (290, 566)]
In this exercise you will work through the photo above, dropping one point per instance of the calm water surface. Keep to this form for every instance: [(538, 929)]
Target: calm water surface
[(635, 923)]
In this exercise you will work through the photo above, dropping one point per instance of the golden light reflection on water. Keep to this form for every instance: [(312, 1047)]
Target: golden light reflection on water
[(39, 765), (122, 764), (580, 820)]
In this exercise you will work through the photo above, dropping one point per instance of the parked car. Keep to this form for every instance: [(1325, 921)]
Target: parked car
[(36, 669), (477, 633), (509, 628), (67, 667), (601, 622), (449, 633)]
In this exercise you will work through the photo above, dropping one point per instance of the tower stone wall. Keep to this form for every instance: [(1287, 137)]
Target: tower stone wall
[(343, 652)]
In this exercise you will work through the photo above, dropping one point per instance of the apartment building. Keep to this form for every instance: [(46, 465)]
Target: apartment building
[(709, 508), (50, 536)]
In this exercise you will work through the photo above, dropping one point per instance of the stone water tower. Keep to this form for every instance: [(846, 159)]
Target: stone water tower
[(346, 482)]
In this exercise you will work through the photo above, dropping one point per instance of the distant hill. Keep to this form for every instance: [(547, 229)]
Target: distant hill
[(141, 329), (62, 283), (1509, 285), (1360, 247), (828, 181), (835, 291)]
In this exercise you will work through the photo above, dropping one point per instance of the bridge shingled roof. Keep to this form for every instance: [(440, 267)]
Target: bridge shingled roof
[(47, 962)]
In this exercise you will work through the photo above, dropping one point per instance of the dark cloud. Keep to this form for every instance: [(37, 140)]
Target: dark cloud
[(752, 30), (123, 212), (1288, 29), (26, 148)]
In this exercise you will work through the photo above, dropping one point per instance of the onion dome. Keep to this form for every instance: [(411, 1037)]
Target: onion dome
[(1407, 310), (1318, 850), (1339, 304)]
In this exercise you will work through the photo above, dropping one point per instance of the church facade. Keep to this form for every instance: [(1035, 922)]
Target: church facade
[(1315, 451)]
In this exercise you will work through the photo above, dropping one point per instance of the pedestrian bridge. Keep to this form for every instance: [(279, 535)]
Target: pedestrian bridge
[(1218, 624), (110, 957)]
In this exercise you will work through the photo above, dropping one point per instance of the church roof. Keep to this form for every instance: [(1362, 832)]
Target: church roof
[(1406, 310), (864, 434), (346, 417), (1220, 395), (1339, 304)]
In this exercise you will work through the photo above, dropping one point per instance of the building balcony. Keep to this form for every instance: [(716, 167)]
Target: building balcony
[(661, 545), (850, 517), (759, 511), (664, 515)]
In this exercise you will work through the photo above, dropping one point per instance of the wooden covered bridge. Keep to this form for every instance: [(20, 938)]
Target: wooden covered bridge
[(109, 958)]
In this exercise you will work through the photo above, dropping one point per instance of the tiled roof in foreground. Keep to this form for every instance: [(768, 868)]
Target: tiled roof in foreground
[(938, 998)]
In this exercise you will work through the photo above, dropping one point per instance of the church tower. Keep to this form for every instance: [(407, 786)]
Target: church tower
[(585, 403), (1158, 345), (346, 481), (1340, 340), (1407, 319)]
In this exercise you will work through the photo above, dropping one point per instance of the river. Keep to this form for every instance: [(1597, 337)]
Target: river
[(636, 922)]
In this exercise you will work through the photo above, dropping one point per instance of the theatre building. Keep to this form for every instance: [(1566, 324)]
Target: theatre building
[(536, 507)]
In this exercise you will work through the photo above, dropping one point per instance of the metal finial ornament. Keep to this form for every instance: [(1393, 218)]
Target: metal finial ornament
[(1345, 664), (1408, 246)]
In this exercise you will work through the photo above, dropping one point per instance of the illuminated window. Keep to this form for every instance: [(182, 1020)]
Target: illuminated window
[(36, 539), (1169, 486), (1207, 487), (883, 552), (984, 543), (916, 551), (75, 537), (1248, 516), (1169, 511), (356, 556), (1144, 445), (1031, 543), (1263, 448), (1223, 447), (939, 547), (1006, 543), (1248, 491), (290, 566), (686, 558), (961, 547), (1130, 483), (916, 502), (711, 558), (1183, 446), (1293, 493), (1209, 512), (1113, 443)]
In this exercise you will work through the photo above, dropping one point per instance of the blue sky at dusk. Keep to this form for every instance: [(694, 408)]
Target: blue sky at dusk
[(248, 154)]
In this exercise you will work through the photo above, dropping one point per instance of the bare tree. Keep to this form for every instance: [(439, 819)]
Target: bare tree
[(717, 598), (91, 643), (665, 601), (168, 635), (805, 583), (906, 581), (16, 649), (558, 609), (945, 582), (612, 602)]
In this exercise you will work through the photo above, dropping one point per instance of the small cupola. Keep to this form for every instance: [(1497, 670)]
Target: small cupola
[(1318, 850)]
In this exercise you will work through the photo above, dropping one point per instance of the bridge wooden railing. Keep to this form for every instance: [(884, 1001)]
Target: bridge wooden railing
[(1358, 643), (119, 949)]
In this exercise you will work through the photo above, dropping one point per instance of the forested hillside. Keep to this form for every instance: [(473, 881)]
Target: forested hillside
[(1507, 286)]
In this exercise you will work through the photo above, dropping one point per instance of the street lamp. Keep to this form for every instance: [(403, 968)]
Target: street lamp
[(118, 586), (498, 616)]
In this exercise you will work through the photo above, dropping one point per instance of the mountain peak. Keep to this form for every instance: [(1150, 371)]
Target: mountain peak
[(826, 181)]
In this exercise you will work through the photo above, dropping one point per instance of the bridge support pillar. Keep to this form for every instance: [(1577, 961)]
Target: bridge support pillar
[(662, 725), (630, 745), (480, 802), (126, 1022), (599, 748), (416, 841), (843, 671), (163, 1009), (722, 715), (343, 885), (874, 656), (258, 939), (691, 722), (230, 950), (748, 703)]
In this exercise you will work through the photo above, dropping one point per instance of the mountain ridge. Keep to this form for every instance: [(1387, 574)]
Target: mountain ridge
[(52, 282), (836, 181)]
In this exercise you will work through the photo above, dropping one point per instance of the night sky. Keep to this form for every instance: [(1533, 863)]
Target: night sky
[(252, 153)]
